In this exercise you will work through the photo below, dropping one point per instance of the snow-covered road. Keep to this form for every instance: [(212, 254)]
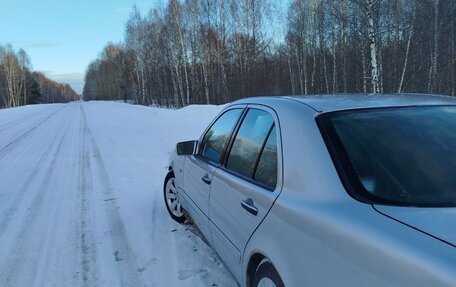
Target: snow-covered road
[(81, 199)]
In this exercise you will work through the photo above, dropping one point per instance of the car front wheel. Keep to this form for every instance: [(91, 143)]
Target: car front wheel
[(171, 199), (267, 276)]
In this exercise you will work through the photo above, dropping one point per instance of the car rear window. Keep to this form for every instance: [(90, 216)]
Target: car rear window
[(400, 156)]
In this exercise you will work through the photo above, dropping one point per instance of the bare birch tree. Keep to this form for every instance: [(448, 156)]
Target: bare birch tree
[(215, 51)]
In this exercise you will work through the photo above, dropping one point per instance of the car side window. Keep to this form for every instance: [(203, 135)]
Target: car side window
[(215, 139), (249, 142), (266, 171)]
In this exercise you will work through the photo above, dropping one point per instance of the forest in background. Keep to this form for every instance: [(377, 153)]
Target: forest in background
[(20, 85), (216, 51)]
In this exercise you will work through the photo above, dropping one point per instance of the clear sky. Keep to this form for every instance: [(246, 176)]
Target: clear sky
[(63, 36)]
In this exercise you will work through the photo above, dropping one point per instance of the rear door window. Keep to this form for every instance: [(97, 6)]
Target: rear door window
[(266, 171), (253, 147)]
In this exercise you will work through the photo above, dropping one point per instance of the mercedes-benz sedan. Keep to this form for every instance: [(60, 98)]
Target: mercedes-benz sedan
[(337, 190)]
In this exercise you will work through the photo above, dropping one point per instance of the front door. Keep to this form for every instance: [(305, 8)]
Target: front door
[(200, 168)]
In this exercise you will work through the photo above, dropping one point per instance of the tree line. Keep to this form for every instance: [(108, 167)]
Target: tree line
[(216, 51), (20, 85)]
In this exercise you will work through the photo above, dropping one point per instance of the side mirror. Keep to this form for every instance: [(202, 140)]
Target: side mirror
[(186, 148)]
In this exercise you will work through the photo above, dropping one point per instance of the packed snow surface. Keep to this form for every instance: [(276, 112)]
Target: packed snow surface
[(81, 200)]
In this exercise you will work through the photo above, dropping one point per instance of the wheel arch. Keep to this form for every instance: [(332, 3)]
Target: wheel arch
[(254, 261), (259, 248)]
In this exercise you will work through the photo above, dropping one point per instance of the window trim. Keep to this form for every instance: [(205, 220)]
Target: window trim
[(249, 179), (257, 161), (228, 148), (199, 155), (232, 137), (340, 159)]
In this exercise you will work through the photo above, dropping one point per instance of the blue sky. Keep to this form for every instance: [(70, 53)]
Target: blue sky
[(63, 36)]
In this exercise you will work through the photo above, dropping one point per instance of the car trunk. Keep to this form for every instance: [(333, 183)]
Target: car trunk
[(437, 222)]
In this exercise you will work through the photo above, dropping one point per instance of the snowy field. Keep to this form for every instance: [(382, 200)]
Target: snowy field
[(81, 200)]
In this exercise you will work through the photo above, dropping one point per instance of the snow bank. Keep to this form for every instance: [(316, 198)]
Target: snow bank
[(135, 142)]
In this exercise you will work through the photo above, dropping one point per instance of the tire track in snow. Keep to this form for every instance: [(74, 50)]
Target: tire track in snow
[(18, 197), (126, 261), (15, 269), (87, 242), (59, 248), (20, 120), (13, 144)]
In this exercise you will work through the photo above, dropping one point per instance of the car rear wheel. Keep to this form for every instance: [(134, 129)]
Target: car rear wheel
[(171, 199), (267, 276)]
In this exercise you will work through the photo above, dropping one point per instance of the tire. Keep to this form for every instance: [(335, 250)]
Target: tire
[(173, 206), (266, 276)]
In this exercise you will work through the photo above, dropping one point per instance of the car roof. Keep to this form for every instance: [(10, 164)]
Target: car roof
[(335, 102)]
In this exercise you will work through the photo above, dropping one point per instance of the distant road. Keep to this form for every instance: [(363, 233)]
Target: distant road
[(81, 201)]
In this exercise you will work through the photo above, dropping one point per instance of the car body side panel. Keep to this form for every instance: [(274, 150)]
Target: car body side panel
[(197, 192), (177, 166), (232, 227), (195, 170), (201, 221), (437, 221), (335, 243), (332, 239)]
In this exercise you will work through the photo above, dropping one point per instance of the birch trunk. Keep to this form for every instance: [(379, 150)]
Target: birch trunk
[(206, 84), (372, 46), (325, 72), (290, 70), (435, 54), (364, 65), (300, 73), (304, 67), (13, 79), (224, 82), (334, 83), (176, 95), (183, 51), (179, 84), (314, 66), (407, 50), (453, 62)]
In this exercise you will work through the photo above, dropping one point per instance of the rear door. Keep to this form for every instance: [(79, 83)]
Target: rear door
[(247, 183), (200, 168)]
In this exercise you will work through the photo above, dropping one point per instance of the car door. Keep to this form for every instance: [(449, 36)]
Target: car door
[(200, 168), (247, 183)]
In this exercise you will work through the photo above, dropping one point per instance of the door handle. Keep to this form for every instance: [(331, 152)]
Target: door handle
[(206, 179), (249, 206)]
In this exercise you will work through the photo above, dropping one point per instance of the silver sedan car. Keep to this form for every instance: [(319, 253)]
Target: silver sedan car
[(336, 190)]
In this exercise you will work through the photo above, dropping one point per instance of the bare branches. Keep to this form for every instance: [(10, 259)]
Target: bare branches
[(20, 86), (215, 51)]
